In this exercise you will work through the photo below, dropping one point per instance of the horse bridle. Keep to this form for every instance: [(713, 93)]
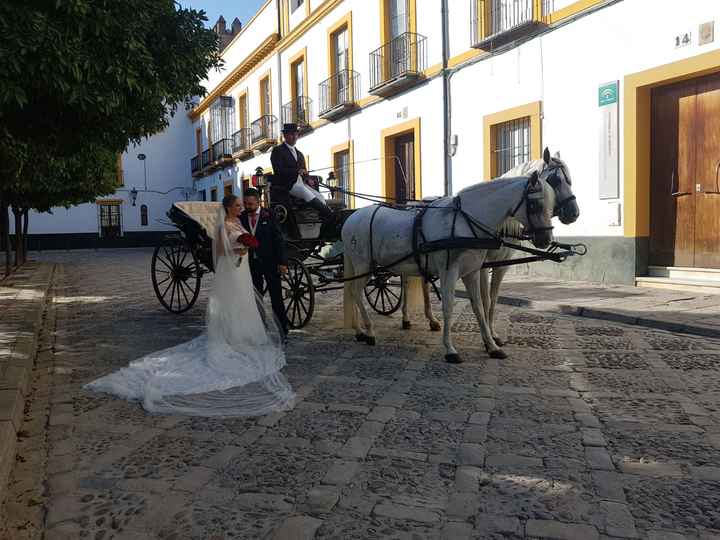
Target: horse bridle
[(552, 175), (534, 199)]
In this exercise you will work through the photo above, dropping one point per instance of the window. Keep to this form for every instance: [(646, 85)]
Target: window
[(143, 215), (110, 219), (198, 141), (222, 118), (398, 18), (213, 194), (511, 145), (203, 195), (298, 79), (294, 4), (340, 56), (227, 190), (265, 96), (341, 168), (300, 113), (243, 110)]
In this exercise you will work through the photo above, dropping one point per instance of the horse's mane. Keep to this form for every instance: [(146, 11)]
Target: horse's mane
[(511, 227), (525, 169), (491, 186)]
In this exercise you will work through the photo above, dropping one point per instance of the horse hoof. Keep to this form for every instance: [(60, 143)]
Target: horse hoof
[(435, 326), (499, 354), (453, 359), (361, 338), (370, 340), (499, 342), (406, 325)]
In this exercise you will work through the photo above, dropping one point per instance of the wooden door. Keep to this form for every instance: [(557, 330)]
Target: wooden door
[(685, 210), (707, 201), (405, 167)]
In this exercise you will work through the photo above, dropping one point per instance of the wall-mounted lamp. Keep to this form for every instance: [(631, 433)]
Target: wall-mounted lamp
[(133, 195)]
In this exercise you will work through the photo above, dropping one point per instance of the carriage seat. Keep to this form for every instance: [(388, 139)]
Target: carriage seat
[(203, 213)]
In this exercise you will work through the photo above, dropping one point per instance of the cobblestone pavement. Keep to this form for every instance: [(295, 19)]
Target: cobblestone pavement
[(589, 430)]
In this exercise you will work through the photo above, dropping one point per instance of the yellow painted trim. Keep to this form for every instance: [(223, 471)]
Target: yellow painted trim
[(247, 25), (109, 202), (307, 8), (387, 137), (308, 23), (385, 29), (119, 172), (531, 110), (260, 53), (432, 70), (464, 57), (343, 23), (572, 9), (348, 147), (637, 130), (368, 100)]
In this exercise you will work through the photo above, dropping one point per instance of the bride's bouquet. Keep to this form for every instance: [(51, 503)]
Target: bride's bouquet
[(249, 242)]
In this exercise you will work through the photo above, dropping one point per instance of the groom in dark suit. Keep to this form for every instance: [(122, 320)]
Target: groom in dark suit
[(269, 260)]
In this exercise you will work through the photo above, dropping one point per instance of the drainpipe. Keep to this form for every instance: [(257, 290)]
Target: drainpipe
[(447, 109)]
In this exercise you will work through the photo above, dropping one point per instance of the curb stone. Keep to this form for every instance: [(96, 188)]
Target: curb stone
[(604, 315), (21, 358)]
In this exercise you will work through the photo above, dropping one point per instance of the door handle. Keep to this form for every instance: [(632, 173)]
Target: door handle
[(674, 193)]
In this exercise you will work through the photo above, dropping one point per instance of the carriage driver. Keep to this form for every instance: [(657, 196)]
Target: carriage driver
[(289, 168)]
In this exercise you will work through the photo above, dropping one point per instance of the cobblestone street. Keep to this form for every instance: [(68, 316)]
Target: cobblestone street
[(589, 430)]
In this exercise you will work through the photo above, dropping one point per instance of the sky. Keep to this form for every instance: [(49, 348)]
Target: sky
[(242, 9)]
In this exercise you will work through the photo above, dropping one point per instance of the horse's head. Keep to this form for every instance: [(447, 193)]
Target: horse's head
[(539, 204), (557, 174)]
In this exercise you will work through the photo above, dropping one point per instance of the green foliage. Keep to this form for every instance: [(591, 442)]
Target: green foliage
[(84, 78)]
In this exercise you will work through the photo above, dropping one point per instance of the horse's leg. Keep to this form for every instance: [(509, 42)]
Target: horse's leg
[(368, 336), (497, 278), (473, 288), (434, 323), (483, 276), (448, 279), (406, 324)]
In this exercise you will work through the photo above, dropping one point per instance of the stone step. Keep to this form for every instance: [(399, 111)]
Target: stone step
[(684, 273), (700, 286)]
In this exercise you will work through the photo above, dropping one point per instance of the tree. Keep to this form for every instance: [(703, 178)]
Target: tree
[(84, 78)]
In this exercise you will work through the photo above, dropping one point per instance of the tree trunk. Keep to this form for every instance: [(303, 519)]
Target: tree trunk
[(18, 236), (26, 219), (5, 224)]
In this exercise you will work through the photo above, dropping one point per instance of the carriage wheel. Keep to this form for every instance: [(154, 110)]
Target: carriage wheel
[(381, 296), (176, 277), (298, 294)]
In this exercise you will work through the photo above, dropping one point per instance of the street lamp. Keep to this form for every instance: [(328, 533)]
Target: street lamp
[(143, 157), (133, 195)]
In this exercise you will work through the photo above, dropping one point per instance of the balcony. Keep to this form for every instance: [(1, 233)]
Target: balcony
[(195, 166), (398, 64), (339, 94), (495, 22), (222, 152), (264, 132), (298, 111), (241, 145), (205, 159)]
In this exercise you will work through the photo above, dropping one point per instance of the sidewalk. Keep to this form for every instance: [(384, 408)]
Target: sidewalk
[(23, 296), (676, 311)]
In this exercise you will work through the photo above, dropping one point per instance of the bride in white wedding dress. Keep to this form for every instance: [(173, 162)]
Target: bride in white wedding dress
[(231, 369)]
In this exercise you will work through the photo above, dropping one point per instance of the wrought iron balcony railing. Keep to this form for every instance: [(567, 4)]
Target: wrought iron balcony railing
[(298, 111), (195, 164), (493, 19), (241, 141), (222, 149), (205, 158), (339, 92), (264, 130), (405, 57)]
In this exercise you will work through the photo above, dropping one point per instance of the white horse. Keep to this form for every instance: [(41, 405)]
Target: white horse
[(379, 235), (566, 208)]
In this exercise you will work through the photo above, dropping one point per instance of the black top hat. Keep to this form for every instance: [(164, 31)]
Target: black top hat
[(290, 128)]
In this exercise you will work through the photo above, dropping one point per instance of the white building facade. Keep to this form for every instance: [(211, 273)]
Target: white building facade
[(415, 98)]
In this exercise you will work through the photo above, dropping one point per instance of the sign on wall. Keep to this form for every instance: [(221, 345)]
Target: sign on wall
[(609, 141)]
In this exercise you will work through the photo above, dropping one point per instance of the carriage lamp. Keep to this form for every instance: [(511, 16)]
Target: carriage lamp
[(332, 186), (258, 179), (133, 195)]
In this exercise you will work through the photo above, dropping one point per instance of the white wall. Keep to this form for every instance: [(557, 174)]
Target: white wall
[(564, 69)]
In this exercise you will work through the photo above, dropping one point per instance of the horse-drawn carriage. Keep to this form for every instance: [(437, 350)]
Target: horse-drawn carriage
[(314, 266)]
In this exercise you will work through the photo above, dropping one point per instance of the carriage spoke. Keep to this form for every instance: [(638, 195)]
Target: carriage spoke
[(301, 304), (391, 292), (172, 294), (164, 280), (164, 294), (170, 256), (159, 258), (182, 290)]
